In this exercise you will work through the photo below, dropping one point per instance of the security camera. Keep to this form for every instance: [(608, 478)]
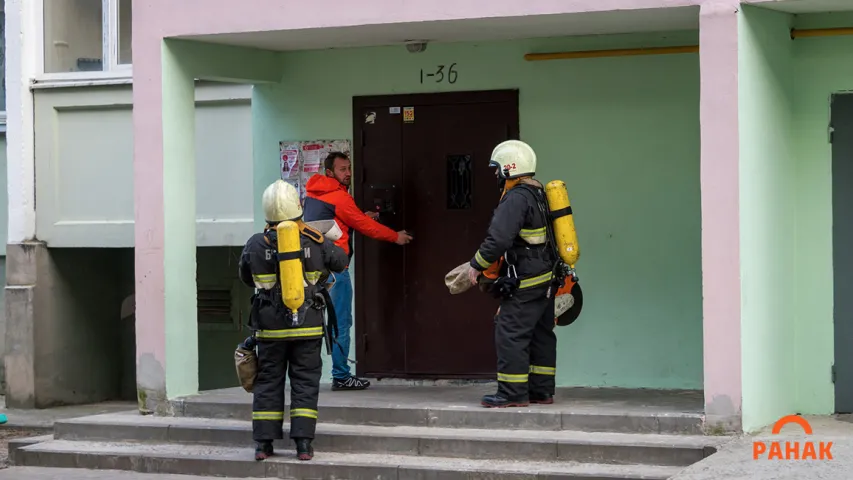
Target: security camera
[(415, 46)]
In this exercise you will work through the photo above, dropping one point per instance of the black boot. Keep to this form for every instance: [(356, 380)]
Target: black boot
[(542, 398), (499, 401), (304, 450), (263, 450)]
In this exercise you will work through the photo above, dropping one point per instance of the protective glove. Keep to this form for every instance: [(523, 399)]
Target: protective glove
[(460, 279)]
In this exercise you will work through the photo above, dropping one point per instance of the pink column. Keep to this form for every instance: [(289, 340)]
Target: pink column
[(149, 213), (720, 213)]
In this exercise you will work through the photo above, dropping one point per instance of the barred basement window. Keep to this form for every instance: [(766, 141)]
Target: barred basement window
[(459, 180), (214, 306)]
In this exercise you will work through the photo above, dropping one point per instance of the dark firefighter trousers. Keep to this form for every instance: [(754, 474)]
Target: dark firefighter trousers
[(301, 361), (526, 344)]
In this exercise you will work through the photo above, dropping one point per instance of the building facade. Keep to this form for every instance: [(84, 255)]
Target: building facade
[(71, 281), (702, 142)]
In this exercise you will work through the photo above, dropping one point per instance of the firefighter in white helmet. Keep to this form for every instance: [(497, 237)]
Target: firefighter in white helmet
[(515, 263), (287, 345)]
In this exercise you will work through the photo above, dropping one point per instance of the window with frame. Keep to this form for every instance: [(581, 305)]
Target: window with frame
[(87, 35)]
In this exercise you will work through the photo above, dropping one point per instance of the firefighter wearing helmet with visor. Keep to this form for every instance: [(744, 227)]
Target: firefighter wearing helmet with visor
[(516, 264), (288, 264)]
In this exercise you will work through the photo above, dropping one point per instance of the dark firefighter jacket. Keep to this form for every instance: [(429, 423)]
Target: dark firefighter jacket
[(518, 233), (258, 267)]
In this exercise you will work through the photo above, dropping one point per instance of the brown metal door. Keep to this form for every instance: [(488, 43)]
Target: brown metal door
[(433, 168)]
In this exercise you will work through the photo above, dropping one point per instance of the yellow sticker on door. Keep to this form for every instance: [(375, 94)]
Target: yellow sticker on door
[(408, 114)]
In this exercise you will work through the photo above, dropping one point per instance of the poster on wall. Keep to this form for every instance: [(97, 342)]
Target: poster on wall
[(301, 159)]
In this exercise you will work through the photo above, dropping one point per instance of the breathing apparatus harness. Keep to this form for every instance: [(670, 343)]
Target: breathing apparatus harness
[(322, 299), (505, 286)]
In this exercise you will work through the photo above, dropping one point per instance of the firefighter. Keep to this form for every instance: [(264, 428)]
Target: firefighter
[(287, 343), (519, 253)]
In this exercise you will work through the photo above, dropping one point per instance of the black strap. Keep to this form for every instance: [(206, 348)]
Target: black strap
[(298, 254), (282, 256), (254, 312), (548, 218), (561, 212)]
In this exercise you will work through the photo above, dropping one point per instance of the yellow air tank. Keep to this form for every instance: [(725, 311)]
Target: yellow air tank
[(564, 224), (290, 266)]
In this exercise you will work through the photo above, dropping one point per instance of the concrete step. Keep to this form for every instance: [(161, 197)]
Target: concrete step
[(598, 447), (47, 473), (164, 458), (591, 410)]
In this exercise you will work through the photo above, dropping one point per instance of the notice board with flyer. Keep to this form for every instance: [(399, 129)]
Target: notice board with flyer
[(303, 158)]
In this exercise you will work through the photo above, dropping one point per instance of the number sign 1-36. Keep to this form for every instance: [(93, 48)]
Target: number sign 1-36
[(441, 74)]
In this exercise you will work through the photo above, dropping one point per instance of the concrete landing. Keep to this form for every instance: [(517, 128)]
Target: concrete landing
[(468, 397), (586, 409)]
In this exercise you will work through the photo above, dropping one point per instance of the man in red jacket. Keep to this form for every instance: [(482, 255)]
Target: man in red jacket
[(328, 198)]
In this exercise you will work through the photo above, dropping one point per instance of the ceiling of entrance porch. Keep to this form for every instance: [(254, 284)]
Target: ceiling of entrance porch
[(482, 29), (805, 6)]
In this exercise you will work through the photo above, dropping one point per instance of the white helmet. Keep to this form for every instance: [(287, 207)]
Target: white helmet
[(281, 202), (514, 159)]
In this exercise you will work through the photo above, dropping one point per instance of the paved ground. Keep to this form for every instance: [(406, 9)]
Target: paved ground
[(44, 418), (31, 423), (735, 460)]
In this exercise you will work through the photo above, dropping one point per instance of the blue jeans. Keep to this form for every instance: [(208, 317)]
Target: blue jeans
[(341, 295)]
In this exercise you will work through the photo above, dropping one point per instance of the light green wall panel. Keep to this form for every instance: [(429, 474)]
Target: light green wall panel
[(622, 132), (4, 226), (786, 211), (767, 180), (179, 203), (4, 199), (821, 67)]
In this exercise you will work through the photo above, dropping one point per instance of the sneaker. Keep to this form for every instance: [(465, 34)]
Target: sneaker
[(263, 450), (351, 383), (304, 449)]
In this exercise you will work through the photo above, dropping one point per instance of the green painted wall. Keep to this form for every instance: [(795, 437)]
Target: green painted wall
[(786, 211), (622, 132), (4, 224), (179, 201), (217, 268), (767, 180), (822, 66)]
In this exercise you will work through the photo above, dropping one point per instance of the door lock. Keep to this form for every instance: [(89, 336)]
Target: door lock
[(384, 198)]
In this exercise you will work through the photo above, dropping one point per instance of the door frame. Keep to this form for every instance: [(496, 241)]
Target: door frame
[(359, 103)]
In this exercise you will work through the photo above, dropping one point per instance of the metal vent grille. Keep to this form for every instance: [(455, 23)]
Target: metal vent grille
[(214, 306)]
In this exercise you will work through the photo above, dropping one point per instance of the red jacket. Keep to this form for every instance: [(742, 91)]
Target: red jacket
[(327, 199)]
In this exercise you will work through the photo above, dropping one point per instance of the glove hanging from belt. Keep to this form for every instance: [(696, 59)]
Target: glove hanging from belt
[(324, 299)]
